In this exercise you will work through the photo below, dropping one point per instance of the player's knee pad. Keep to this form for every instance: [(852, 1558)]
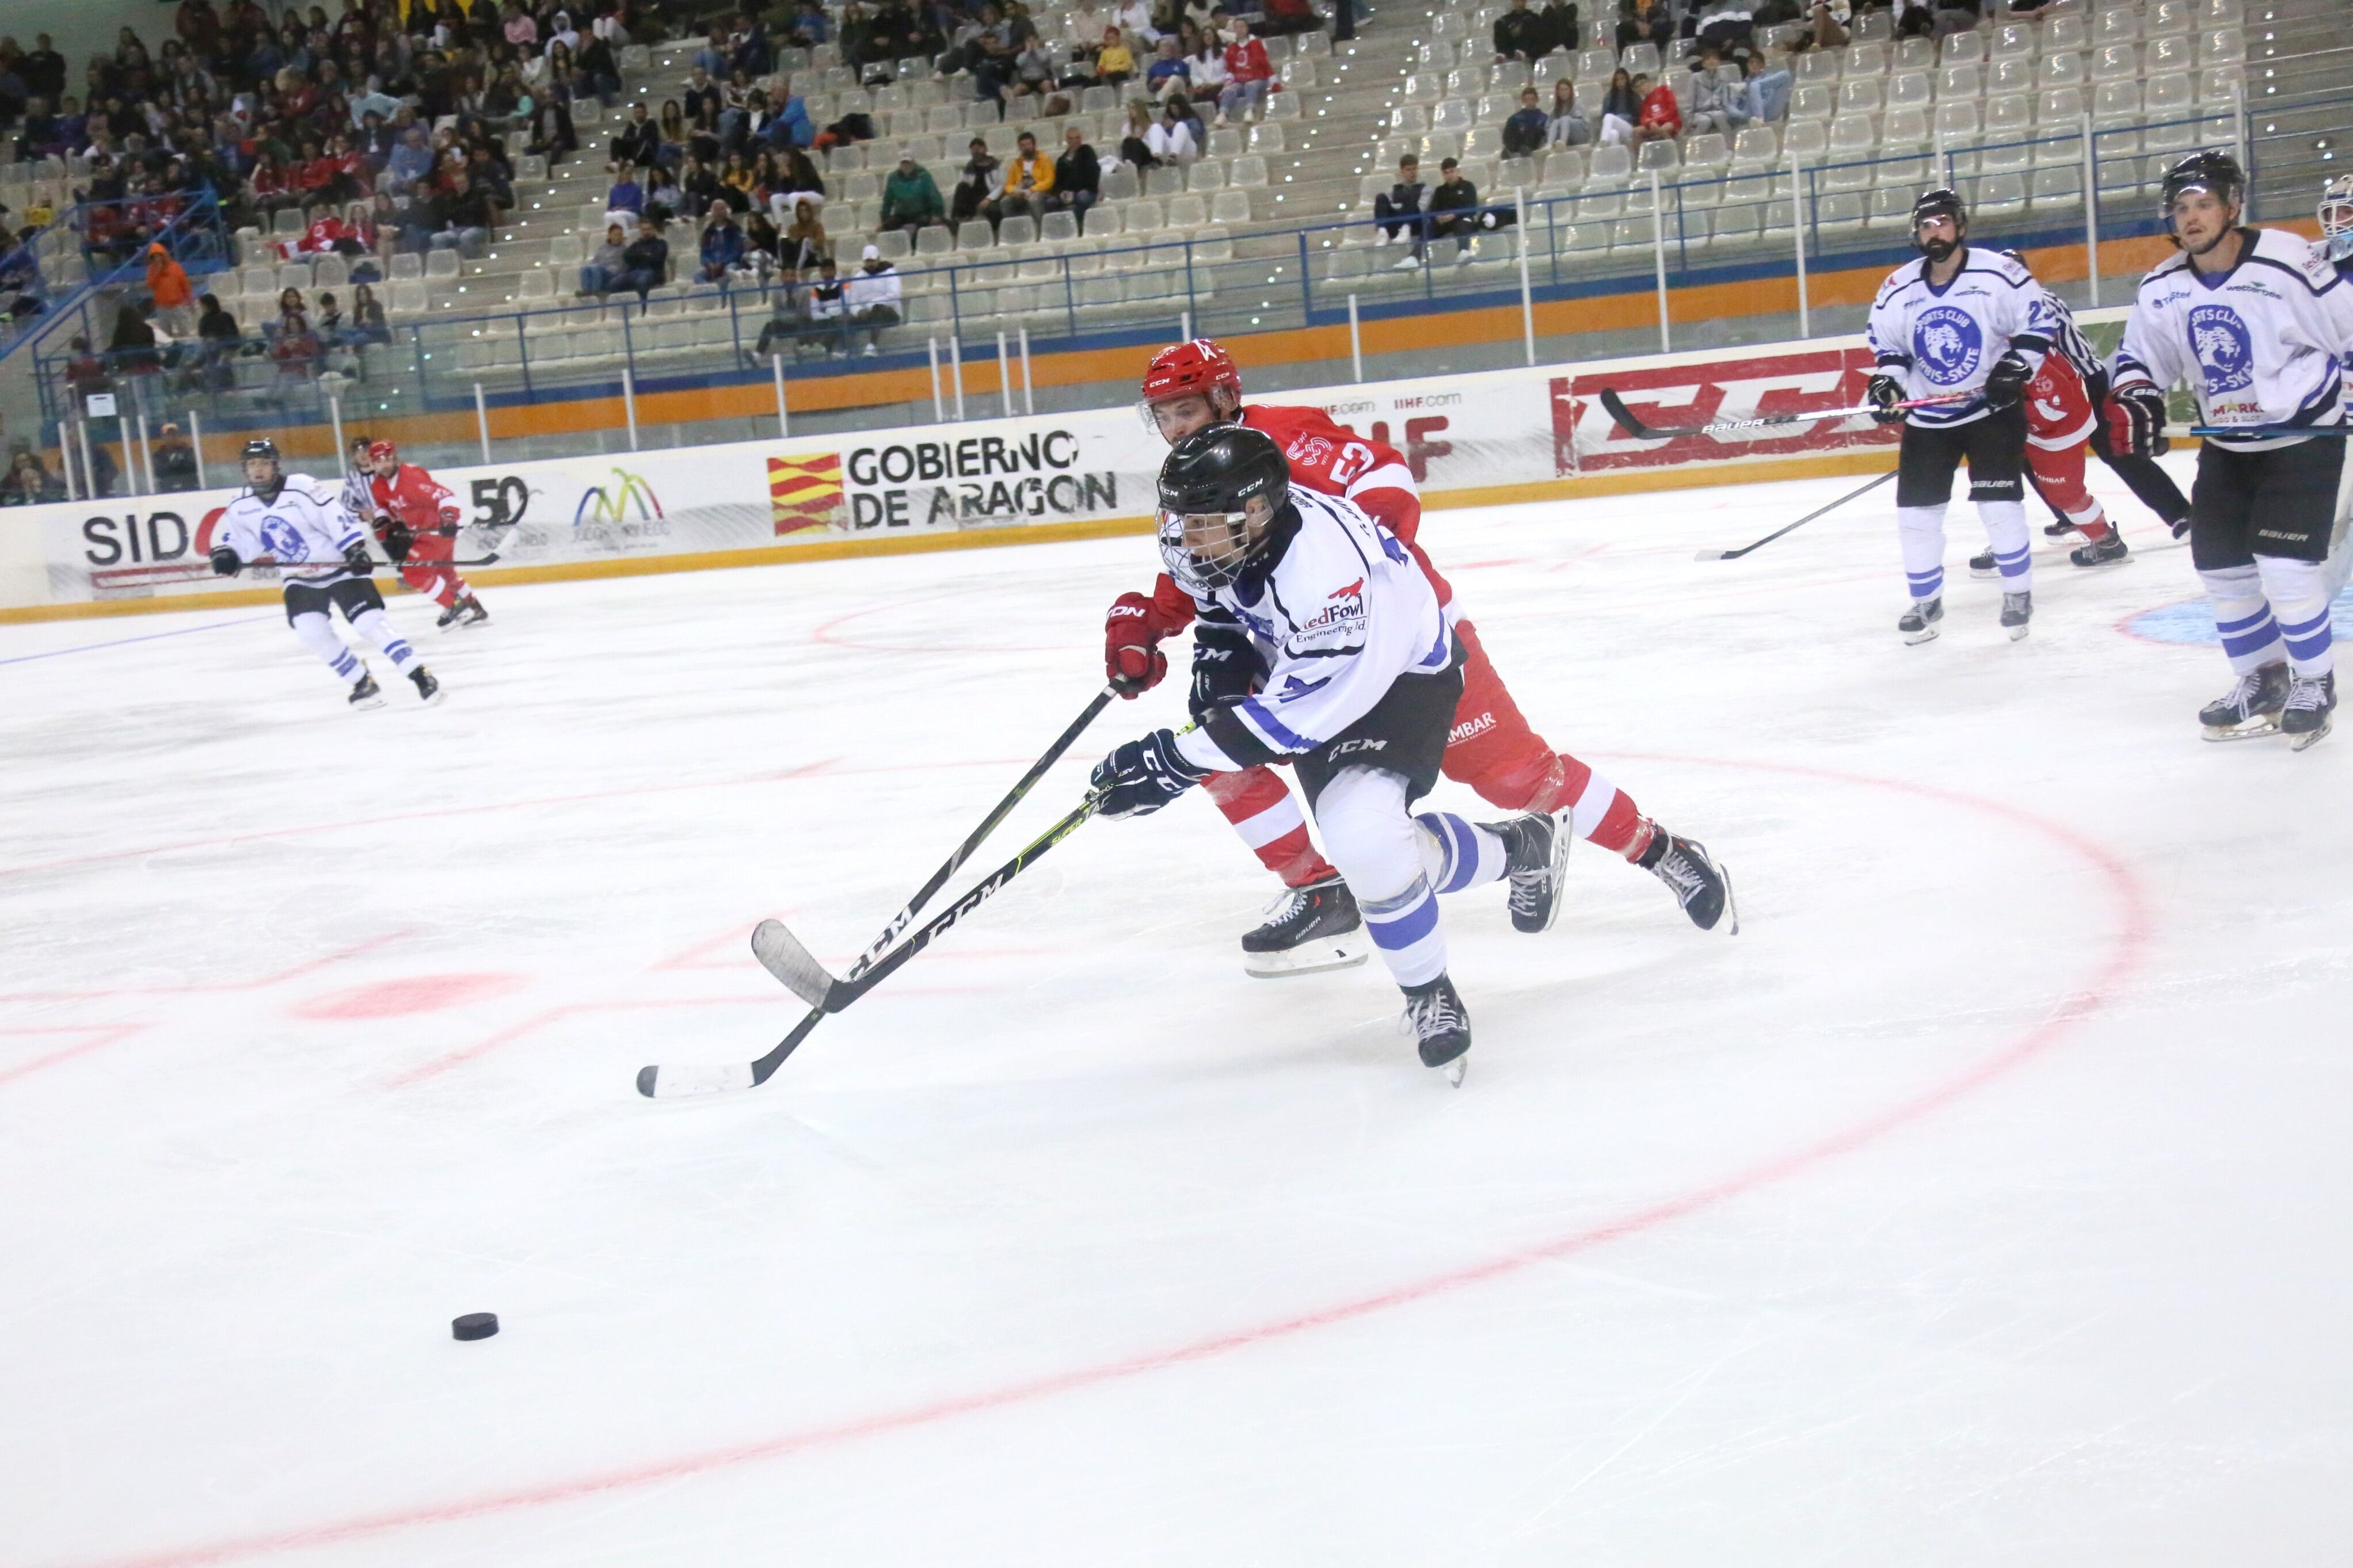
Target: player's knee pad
[(1367, 834)]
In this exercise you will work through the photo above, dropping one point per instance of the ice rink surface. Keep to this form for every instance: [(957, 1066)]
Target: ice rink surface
[(1984, 1202)]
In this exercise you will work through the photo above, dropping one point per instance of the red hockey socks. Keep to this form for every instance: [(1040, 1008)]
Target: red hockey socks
[(1261, 806)]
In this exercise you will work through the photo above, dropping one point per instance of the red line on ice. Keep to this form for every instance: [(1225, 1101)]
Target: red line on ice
[(2123, 957)]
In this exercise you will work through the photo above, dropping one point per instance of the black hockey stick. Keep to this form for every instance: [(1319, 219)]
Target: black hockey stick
[(1633, 426), (661, 1082), (1736, 554), (673, 1082)]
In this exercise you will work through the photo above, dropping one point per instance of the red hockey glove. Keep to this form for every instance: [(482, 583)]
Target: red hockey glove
[(1131, 662)]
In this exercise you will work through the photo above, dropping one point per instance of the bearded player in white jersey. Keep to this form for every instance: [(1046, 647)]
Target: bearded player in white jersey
[(1970, 327), (2257, 323), (297, 524)]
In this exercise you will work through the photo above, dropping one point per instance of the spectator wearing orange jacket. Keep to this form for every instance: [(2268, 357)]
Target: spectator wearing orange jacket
[(175, 295)]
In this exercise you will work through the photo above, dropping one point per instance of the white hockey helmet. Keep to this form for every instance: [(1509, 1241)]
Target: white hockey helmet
[(2337, 218)]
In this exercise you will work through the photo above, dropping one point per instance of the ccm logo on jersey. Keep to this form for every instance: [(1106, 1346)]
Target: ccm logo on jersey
[(1363, 743)]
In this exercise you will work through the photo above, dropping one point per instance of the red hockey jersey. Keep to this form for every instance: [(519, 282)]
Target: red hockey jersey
[(412, 496)]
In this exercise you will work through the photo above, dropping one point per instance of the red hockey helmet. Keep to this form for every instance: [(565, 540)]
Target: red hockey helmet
[(1197, 368), (379, 451)]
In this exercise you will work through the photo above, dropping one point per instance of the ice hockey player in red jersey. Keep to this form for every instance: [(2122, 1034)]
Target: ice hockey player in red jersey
[(417, 524), (1491, 748)]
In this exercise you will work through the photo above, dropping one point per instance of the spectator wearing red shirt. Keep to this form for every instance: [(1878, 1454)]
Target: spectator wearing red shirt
[(1662, 117), (1250, 74)]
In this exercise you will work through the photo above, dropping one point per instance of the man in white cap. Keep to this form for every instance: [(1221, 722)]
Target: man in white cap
[(873, 298)]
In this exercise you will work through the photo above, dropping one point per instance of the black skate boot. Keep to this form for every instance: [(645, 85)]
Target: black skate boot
[(1538, 853), (450, 616), (2250, 708), (470, 612), (1918, 624), (1310, 929), (1691, 875), (1984, 566), (2017, 610), (428, 689), (1440, 1024), (2108, 549), (2058, 528), (366, 693), (2310, 702)]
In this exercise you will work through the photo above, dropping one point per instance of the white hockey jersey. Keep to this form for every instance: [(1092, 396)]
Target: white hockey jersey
[(1339, 613), (1939, 341), (2260, 344), (304, 527)]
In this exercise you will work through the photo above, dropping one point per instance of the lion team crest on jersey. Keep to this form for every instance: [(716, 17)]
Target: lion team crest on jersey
[(1947, 345), (2226, 354)]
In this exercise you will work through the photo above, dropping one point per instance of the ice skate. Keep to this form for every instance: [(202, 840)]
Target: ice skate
[(2017, 610), (1538, 854), (1918, 624), (1441, 1027), (2311, 700), (2251, 708), (2060, 529), (428, 690), (366, 693), (471, 613), (449, 618), (1698, 883), (1310, 930), (2108, 549), (1984, 566)]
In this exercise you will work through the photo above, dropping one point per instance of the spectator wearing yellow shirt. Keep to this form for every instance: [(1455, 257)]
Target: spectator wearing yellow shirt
[(1115, 65), (1029, 180)]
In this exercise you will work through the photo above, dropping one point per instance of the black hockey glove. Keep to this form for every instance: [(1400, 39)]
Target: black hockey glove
[(2137, 420), (2006, 382), (1141, 776), (224, 562), (1883, 393), (358, 559), (1225, 667), (396, 541)]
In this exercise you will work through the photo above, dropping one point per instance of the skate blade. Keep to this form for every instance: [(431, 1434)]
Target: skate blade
[(2250, 731), (2099, 565), (2306, 742), (1728, 923), (1926, 633), (1987, 575), (364, 703), (1455, 1069), (2018, 633), (1342, 952), (434, 700)]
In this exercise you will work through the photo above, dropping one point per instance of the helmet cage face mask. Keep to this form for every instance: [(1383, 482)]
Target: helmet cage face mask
[(1204, 550)]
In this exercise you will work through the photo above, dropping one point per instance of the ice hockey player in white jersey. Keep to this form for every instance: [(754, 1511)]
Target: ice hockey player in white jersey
[(2337, 245), (1970, 327), (2257, 324), (1351, 675), (320, 551)]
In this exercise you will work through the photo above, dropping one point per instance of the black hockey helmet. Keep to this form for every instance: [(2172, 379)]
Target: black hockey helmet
[(258, 446), (1220, 489), (262, 450), (2215, 172), (1942, 202)]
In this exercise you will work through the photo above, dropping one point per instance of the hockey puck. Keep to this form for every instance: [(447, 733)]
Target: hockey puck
[(474, 1326)]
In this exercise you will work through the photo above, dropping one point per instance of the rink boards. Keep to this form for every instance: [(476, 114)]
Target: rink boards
[(1485, 438)]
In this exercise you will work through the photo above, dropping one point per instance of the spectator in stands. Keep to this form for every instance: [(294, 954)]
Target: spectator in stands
[(625, 195), (1399, 212), (786, 324), (671, 126), (174, 297), (413, 159), (463, 219), (645, 265), (639, 142), (1561, 25), (174, 461), (1521, 34), (1826, 32), (132, 351), (801, 174), (1029, 182), (1034, 68), (1250, 74), (1205, 70), (367, 324), (605, 269), (595, 73), (330, 323), (911, 197), (1763, 96), (871, 297), (978, 182), (828, 310), (1526, 130), (296, 351), (805, 243), (1174, 139), (1661, 117), (218, 334), (1725, 25), (29, 482), (553, 136), (1078, 176), (1453, 207), (86, 372), (1113, 62), (1565, 123), (1915, 18), (664, 201), (1167, 72), (1284, 17), (1638, 23), (1711, 100), (1621, 108), (722, 243)]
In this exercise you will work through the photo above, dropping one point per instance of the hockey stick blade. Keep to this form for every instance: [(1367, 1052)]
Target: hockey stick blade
[(694, 1079), (1616, 407), (781, 954)]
